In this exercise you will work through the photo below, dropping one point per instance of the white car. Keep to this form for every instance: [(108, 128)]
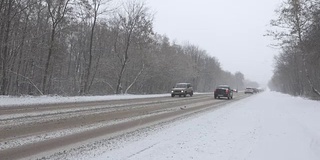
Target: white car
[(249, 91)]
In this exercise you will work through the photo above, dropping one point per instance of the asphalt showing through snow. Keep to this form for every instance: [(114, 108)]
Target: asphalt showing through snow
[(24, 130)]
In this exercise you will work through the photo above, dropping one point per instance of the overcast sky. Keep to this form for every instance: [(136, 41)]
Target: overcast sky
[(230, 30)]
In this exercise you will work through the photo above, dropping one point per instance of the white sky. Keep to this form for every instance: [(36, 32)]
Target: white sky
[(230, 30)]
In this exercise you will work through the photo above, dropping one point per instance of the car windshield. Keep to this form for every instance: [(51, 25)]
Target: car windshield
[(180, 85), (223, 87)]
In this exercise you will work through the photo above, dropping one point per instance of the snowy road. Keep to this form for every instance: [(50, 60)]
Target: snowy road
[(33, 131), (266, 126)]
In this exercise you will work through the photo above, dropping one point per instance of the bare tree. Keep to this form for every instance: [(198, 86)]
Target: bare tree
[(239, 80), (295, 19), (132, 23), (93, 10), (57, 11), (6, 9), (72, 47)]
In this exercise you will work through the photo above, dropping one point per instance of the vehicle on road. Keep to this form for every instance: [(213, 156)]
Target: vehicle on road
[(223, 91), (249, 91), (182, 89), (256, 90)]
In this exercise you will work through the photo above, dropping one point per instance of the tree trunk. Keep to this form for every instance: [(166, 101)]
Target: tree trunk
[(47, 65), (296, 4), (88, 72), (135, 79), (4, 80), (124, 64)]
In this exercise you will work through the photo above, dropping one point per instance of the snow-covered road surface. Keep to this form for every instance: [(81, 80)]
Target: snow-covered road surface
[(51, 130), (266, 126)]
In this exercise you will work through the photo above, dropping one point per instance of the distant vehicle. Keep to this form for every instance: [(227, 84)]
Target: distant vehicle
[(260, 89), (182, 89), (223, 91), (249, 91)]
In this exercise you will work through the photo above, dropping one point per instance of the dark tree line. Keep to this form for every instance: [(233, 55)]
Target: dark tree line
[(94, 47), (297, 68)]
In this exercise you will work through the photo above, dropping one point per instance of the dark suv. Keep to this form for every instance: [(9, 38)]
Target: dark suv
[(223, 91), (182, 89)]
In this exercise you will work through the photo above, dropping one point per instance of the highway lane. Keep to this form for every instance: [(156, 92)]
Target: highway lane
[(90, 120)]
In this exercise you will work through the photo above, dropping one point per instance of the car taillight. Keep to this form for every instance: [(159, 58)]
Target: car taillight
[(215, 90), (227, 91)]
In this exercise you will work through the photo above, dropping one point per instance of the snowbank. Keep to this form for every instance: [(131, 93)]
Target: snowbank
[(31, 100)]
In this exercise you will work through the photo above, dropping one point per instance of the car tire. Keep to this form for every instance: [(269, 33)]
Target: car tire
[(191, 94), (185, 95)]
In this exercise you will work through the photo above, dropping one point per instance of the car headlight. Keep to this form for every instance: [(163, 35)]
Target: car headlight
[(182, 91)]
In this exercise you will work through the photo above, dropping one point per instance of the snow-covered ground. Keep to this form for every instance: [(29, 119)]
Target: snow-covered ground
[(266, 126), (29, 100)]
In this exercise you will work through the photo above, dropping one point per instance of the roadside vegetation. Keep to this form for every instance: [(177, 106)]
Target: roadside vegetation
[(97, 47), (297, 67)]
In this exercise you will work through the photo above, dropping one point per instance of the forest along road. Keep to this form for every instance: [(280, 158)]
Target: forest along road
[(33, 130)]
